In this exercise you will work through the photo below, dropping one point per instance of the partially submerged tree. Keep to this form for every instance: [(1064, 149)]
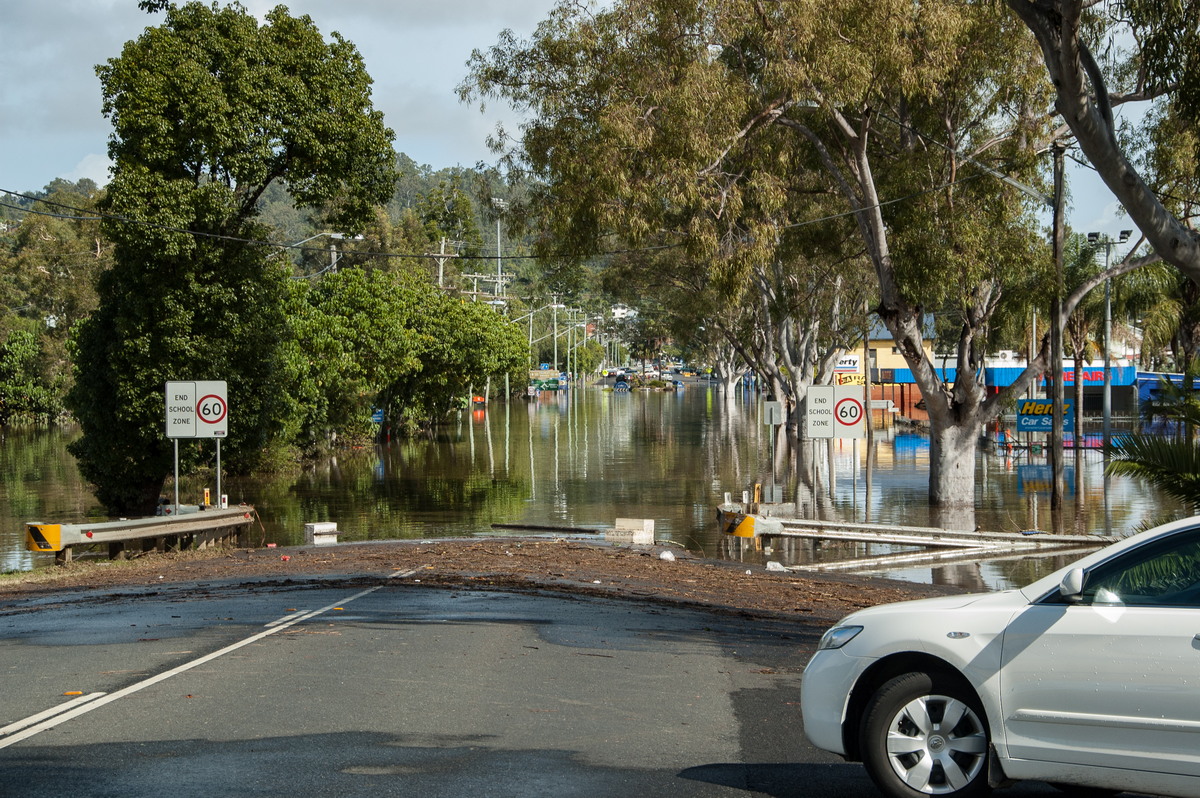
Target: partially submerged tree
[(208, 110), (722, 127)]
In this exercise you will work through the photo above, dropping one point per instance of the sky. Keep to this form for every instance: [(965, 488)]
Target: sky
[(415, 50)]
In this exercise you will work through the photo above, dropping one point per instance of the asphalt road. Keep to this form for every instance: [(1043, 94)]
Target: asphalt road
[(337, 690)]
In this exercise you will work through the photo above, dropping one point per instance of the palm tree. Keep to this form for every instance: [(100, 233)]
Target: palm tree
[(1167, 456), (1167, 306)]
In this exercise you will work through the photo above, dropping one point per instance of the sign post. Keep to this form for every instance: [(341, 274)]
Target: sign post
[(197, 410)]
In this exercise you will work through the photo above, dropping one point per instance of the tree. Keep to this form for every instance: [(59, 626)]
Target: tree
[(209, 110), (726, 127), (459, 346), (1165, 64), (23, 393), (48, 275), (351, 336)]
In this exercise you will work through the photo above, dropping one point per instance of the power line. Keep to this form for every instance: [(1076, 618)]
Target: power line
[(428, 256)]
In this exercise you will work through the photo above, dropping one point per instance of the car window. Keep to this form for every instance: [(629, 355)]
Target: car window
[(1165, 573)]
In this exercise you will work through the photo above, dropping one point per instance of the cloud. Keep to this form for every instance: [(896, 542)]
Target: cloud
[(94, 167), (50, 118)]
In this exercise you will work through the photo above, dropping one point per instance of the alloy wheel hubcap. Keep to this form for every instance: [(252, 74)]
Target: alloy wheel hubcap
[(936, 744)]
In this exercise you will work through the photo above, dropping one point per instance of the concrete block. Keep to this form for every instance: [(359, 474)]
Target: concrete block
[(632, 531), (321, 533)]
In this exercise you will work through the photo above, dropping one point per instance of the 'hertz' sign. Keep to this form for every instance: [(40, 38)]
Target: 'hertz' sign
[(1037, 415)]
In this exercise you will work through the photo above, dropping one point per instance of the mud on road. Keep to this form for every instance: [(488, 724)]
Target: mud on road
[(639, 574)]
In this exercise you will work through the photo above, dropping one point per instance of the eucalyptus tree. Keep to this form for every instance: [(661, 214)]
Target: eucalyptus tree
[(621, 83), (209, 109), (723, 126), (1163, 65), (1164, 300)]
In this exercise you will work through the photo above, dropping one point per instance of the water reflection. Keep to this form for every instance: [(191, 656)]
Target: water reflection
[(581, 459)]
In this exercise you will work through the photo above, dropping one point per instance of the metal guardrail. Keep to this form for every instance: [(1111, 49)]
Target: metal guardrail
[(936, 545), (202, 529)]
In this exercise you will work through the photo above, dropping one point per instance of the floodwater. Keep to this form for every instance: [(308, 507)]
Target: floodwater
[(571, 463)]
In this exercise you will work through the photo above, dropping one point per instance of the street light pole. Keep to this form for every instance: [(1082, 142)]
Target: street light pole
[(1107, 242)]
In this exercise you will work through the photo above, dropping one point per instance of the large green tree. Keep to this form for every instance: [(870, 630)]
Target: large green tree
[(209, 109), (753, 135), (459, 346)]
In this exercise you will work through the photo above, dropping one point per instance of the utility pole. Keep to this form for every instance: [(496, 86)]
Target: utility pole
[(1056, 348), (499, 205), (441, 257)]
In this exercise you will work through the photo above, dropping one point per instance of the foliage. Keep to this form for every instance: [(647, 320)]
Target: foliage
[(22, 393), (459, 346), (48, 272), (589, 356), (781, 155), (1171, 465), (1161, 65), (210, 109), (351, 336), (1168, 455)]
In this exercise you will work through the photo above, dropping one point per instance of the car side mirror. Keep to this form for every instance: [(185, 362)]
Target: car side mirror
[(1071, 587)]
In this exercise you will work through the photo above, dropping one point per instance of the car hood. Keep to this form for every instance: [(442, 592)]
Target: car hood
[(1005, 598)]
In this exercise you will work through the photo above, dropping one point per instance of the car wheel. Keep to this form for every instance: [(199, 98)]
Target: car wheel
[(925, 734)]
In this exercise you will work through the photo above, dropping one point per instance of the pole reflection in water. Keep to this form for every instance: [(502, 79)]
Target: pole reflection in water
[(588, 456)]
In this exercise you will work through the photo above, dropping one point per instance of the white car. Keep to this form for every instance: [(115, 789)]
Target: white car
[(1088, 679)]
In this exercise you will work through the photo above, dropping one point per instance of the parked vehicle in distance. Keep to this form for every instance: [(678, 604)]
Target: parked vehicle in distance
[(1087, 678)]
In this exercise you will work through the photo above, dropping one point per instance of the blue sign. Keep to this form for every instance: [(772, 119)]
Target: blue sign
[(1039, 479), (1036, 415)]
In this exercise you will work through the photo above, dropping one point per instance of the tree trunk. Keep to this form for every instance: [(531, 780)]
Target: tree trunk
[(1083, 102), (952, 450)]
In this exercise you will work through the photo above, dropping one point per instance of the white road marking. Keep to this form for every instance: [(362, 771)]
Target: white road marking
[(52, 711), (72, 709)]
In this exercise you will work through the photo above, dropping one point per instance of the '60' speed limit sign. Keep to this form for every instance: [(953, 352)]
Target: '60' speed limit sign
[(197, 410), (849, 412)]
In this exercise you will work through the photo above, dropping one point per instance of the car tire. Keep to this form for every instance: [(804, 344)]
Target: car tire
[(926, 734)]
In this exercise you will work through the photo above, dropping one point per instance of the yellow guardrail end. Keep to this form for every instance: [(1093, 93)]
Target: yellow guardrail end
[(43, 537), (745, 529)]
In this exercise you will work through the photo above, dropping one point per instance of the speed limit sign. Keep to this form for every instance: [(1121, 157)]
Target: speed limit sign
[(849, 413), (197, 409)]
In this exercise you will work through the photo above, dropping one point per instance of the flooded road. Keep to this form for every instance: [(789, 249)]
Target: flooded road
[(580, 459)]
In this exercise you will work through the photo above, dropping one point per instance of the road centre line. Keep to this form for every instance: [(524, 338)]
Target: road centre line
[(97, 700), (290, 619), (52, 711)]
